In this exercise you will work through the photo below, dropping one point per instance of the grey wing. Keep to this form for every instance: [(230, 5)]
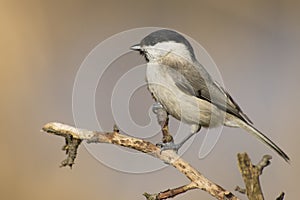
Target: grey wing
[(196, 81)]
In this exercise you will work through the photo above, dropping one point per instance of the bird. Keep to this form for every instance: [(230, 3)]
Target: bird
[(181, 85)]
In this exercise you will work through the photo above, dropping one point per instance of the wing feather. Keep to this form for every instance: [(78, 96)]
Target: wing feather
[(193, 79)]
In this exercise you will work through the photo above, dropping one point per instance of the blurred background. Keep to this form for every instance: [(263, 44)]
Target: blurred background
[(255, 44)]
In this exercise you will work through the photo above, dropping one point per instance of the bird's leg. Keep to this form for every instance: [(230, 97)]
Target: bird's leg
[(163, 121), (172, 146), (194, 129), (167, 140)]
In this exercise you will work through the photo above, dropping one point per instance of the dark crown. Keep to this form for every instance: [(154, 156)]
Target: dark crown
[(165, 35)]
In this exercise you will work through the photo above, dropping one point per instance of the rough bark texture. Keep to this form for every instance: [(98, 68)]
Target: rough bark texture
[(74, 136), (198, 181), (250, 174)]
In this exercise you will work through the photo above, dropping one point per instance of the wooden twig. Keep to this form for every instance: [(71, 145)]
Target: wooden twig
[(163, 121), (250, 174), (171, 192), (240, 190), (198, 181)]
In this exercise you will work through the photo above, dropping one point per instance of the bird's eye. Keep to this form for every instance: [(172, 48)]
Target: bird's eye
[(142, 52)]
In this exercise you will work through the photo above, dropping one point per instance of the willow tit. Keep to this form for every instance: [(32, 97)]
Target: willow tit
[(186, 91)]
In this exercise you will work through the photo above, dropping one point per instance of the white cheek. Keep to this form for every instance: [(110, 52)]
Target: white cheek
[(154, 53), (161, 49)]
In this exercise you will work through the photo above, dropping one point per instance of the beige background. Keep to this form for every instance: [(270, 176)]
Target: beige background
[(255, 44)]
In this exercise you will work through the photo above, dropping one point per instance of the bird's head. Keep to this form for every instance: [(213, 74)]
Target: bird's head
[(163, 42)]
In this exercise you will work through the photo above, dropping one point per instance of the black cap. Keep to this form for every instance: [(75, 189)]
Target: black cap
[(165, 35)]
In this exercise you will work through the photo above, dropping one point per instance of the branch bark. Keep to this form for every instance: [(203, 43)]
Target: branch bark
[(250, 174), (74, 136)]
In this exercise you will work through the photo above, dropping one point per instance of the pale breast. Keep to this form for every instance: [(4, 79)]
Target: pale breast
[(180, 105)]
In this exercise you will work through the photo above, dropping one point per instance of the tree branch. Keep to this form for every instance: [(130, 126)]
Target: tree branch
[(251, 175), (74, 136)]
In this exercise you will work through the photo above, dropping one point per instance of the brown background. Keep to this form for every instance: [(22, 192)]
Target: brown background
[(255, 44)]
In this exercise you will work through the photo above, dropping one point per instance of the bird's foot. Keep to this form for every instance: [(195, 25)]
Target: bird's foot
[(168, 146)]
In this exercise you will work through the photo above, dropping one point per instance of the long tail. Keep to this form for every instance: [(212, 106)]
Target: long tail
[(249, 128)]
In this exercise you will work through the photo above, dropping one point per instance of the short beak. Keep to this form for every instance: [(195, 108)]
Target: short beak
[(136, 47)]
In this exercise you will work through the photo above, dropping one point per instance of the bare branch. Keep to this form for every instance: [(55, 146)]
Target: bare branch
[(264, 162), (171, 192), (198, 181), (251, 175), (240, 190), (163, 120)]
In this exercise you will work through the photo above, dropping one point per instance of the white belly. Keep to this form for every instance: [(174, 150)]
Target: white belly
[(180, 105)]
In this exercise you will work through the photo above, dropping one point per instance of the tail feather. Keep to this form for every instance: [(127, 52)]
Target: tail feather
[(249, 128)]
